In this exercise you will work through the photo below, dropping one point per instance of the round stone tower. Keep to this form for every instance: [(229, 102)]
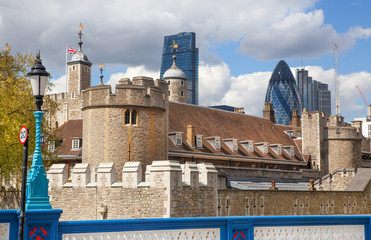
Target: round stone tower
[(177, 81), (128, 125)]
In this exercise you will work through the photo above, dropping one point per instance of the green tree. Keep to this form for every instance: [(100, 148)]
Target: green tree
[(16, 110)]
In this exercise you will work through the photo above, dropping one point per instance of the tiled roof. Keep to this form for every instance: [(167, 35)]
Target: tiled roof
[(72, 129), (213, 122)]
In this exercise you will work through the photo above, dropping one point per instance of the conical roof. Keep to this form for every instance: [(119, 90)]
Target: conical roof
[(283, 94), (174, 71)]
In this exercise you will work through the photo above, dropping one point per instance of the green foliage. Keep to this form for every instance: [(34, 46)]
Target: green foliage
[(16, 110)]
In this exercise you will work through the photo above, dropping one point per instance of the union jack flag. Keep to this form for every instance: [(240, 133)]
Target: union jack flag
[(71, 50)]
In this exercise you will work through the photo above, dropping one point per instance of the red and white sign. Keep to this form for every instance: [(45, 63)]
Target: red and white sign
[(23, 135)]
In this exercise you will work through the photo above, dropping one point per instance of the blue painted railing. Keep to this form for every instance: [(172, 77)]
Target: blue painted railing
[(45, 224)]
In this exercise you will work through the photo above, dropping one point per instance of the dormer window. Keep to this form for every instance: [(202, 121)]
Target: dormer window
[(232, 144), (76, 144), (263, 146), (217, 143), (51, 146), (179, 139), (277, 148), (199, 141), (290, 150)]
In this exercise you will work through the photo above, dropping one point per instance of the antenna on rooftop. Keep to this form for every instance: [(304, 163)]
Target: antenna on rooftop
[(337, 94)]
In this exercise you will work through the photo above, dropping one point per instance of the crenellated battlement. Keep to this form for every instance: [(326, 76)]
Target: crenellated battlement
[(344, 133), (141, 91), (160, 174)]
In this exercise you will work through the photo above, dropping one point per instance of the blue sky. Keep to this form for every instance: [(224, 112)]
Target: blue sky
[(240, 42)]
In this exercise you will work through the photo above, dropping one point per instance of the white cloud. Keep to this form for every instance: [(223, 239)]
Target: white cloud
[(359, 32), (296, 35), (132, 72), (58, 85)]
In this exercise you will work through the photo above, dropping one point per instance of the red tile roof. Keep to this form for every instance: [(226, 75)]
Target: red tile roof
[(213, 122), (72, 129)]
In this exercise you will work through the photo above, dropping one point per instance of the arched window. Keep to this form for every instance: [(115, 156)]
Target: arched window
[(56, 124), (127, 117), (134, 117)]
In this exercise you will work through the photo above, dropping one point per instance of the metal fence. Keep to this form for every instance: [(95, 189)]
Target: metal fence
[(45, 225)]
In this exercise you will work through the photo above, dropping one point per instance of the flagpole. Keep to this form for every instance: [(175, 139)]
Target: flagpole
[(66, 70)]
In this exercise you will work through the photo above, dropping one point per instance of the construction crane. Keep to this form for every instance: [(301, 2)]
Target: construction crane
[(337, 94), (362, 95)]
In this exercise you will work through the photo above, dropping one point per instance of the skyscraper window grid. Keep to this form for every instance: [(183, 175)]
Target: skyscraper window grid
[(187, 60)]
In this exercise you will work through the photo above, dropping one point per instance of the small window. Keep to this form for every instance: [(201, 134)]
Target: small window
[(73, 95), (217, 143), (181, 93), (251, 147), (199, 141), (127, 117), (178, 139), (51, 146), (235, 145), (56, 124), (75, 143), (73, 68), (169, 93), (134, 117), (181, 83), (168, 82)]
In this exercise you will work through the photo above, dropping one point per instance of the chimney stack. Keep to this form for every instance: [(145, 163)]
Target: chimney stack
[(191, 135), (311, 185), (268, 112)]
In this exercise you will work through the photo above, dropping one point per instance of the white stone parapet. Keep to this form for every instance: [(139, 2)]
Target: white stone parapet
[(161, 174), (106, 174), (81, 175), (57, 175)]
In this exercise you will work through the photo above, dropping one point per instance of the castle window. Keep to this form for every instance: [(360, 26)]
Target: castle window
[(73, 68), (51, 146), (168, 82), (127, 117), (134, 117), (72, 95), (169, 93), (179, 139), (56, 124), (181, 93), (75, 144), (181, 83)]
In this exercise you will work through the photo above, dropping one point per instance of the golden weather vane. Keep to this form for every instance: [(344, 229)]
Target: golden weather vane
[(7, 47), (81, 27), (174, 46)]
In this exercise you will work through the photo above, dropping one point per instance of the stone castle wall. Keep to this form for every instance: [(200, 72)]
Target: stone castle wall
[(313, 135), (9, 198), (279, 202), (170, 190), (338, 180), (108, 138)]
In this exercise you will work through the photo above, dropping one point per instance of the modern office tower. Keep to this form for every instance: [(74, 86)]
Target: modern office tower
[(314, 95), (282, 93), (324, 98), (186, 59)]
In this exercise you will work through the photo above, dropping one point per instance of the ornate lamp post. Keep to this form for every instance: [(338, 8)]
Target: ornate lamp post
[(37, 184)]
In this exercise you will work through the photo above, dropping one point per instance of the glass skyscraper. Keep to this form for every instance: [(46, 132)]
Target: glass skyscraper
[(282, 93), (186, 60), (314, 95)]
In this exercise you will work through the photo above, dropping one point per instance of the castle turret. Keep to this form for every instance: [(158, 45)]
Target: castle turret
[(177, 81), (128, 125), (79, 78)]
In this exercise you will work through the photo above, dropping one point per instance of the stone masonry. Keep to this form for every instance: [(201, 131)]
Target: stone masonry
[(170, 190), (108, 138)]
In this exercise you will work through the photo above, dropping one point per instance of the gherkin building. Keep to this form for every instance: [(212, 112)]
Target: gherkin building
[(282, 93)]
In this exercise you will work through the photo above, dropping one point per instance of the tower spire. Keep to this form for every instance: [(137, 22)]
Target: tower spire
[(101, 73), (81, 27)]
